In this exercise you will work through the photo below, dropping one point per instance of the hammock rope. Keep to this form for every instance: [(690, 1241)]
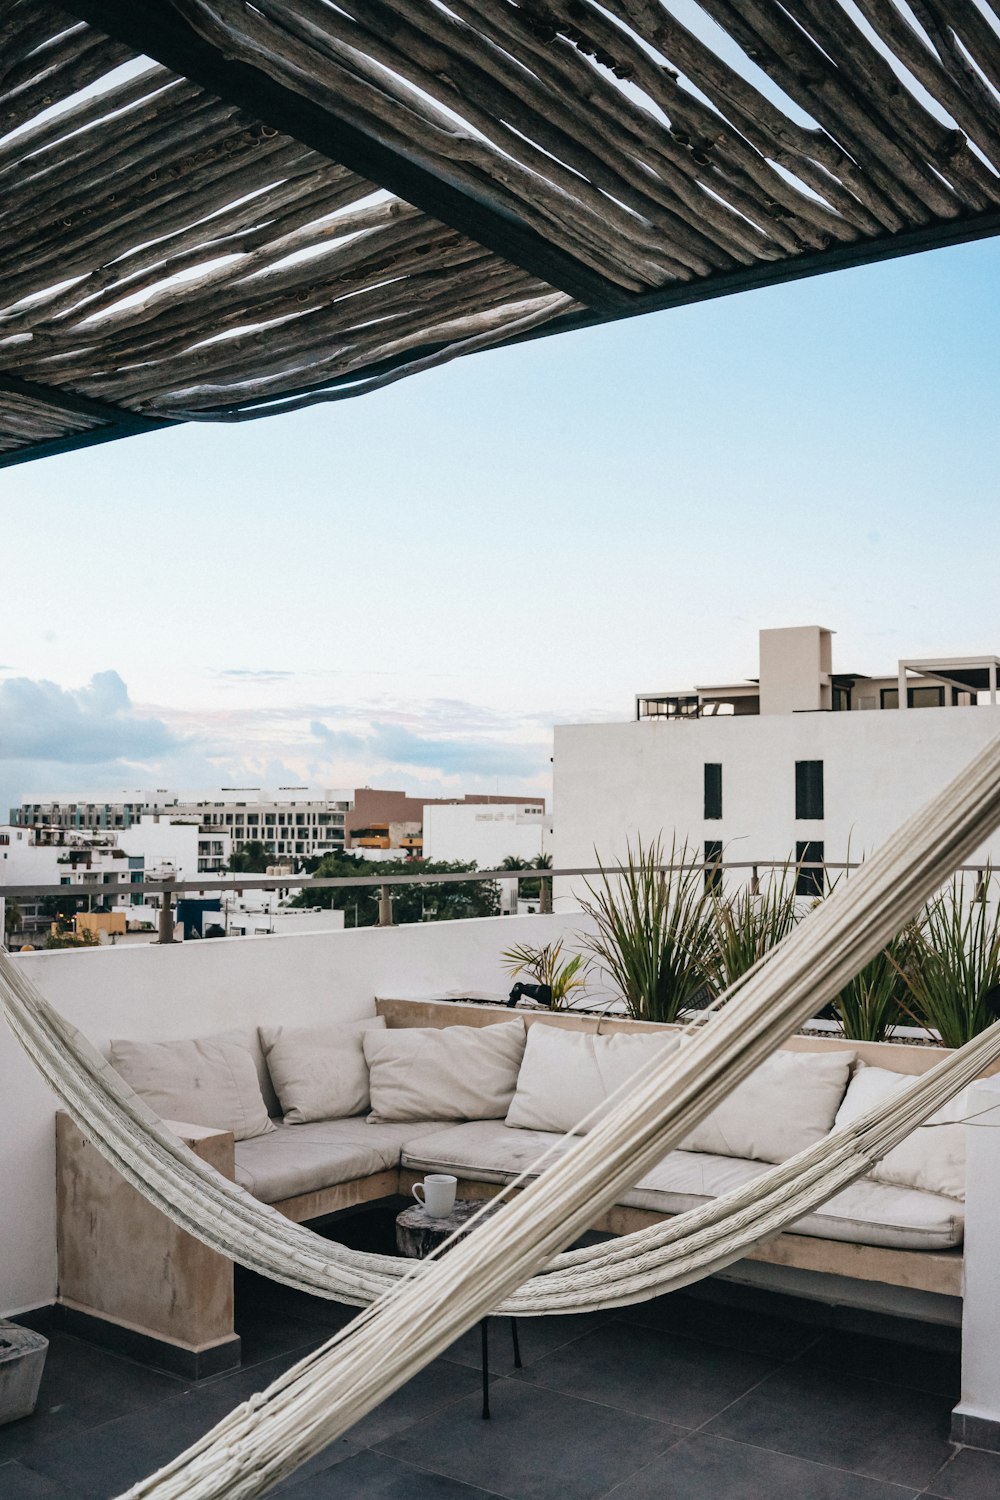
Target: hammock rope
[(267, 1438)]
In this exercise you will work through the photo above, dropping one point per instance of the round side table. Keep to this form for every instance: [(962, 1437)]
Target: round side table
[(418, 1234)]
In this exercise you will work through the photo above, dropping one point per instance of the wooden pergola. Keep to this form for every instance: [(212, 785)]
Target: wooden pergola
[(215, 211)]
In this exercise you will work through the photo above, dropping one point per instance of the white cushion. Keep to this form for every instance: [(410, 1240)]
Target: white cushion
[(866, 1213), (444, 1073), (319, 1072), (566, 1074), (296, 1159), (210, 1081), (932, 1157), (788, 1103)]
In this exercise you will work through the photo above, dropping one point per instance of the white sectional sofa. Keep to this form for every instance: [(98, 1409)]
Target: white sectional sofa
[(407, 1093)]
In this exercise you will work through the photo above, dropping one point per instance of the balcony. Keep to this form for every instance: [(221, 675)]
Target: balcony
[(757, 1382)]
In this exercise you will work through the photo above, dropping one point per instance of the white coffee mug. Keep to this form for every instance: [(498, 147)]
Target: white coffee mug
[(436, 1194)]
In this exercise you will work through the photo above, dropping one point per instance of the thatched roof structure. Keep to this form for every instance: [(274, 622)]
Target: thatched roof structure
[(210, 211)]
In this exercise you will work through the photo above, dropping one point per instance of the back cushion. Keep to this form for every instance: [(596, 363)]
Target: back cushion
[(319, 1072), (211, 1081), (788, 1103), (451, 1073), (566, 1074), (932, 1157)]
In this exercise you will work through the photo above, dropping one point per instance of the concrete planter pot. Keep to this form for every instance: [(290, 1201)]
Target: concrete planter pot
[(22, 1359)]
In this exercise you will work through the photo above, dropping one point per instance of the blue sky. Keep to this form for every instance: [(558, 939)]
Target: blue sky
[(410, 588)]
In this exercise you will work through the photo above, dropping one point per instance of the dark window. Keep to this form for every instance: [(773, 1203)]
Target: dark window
[(808, 788), (713, 790), (925, 697), (713, 863), (888, 698), (841, 699), (808, 882)]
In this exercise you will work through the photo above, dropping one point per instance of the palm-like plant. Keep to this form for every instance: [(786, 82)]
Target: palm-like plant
[(546, 965), (748, 925), (955, 963), (653, 929)]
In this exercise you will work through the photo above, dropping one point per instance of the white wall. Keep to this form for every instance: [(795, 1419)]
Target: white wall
[(484, 832), (616, 781), (161, 841), (196, 989)]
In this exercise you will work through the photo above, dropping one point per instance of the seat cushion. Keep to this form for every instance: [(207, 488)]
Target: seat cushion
[(866, 1213), (932, 1157), (210, 1081), (319, 1072), (786, 1104), (448, 1072), (567, 1075), (296, 1159)]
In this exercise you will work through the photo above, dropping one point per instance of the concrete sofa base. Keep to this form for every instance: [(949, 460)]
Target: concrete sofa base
[(132, 1280)]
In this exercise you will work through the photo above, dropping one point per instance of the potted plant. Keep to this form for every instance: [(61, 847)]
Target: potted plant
[(547, 966), (22, 1360)]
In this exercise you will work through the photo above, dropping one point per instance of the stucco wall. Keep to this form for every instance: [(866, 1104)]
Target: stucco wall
[(196, 989), (614, 781)]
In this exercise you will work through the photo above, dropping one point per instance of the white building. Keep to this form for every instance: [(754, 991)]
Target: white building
[(294, 821), (110, 865), (484, 832), (801, 763)]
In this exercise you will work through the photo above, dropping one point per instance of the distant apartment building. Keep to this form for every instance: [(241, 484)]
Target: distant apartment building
[(388, 820), (106, 864), (295, 821), (485, 834), (804, 762)]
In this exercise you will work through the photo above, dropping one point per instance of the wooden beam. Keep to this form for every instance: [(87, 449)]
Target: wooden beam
[(158, 32), (78, 405), (936, 236)]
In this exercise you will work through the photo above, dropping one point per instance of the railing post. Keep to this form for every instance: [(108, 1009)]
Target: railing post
[(385, 906), (544, 897), (754, 881), (166, 915)]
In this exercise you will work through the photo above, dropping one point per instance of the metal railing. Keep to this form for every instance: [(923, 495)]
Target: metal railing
[(169, 890)]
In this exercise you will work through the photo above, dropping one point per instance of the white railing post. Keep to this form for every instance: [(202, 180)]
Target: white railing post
[(976, 1418)]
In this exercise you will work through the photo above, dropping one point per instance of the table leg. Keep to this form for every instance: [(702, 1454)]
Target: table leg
[(485, 1340), (517, 1347)]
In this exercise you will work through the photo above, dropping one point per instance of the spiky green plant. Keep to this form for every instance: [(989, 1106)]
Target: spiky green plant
[(878, 998), (747, 925), (955, 962), (546, 965), (653, 929)]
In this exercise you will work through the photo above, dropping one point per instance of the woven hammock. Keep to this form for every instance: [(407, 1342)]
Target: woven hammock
[(416, 1319)]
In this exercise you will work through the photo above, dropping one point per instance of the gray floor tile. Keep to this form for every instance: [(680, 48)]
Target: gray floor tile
[(539, 1445), (439, 1385), (537, 1337), (755, 1332), (971, 1475), (372, 1476), (83, 1386), (853, 1354), (884, 1431), (651, 1372), (707, 1468), (19, 1483)]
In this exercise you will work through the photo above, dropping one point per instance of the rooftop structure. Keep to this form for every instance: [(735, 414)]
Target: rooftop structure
[(804, 763), (796, 675), (308, 168)]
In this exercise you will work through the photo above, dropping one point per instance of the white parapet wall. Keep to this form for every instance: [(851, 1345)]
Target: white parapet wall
[(196, 989), (976, 1419)]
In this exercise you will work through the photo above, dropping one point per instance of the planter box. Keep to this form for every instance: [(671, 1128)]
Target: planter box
[(22, 1359)]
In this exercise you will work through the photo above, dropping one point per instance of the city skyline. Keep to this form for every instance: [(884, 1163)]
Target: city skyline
[(411, 588)]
